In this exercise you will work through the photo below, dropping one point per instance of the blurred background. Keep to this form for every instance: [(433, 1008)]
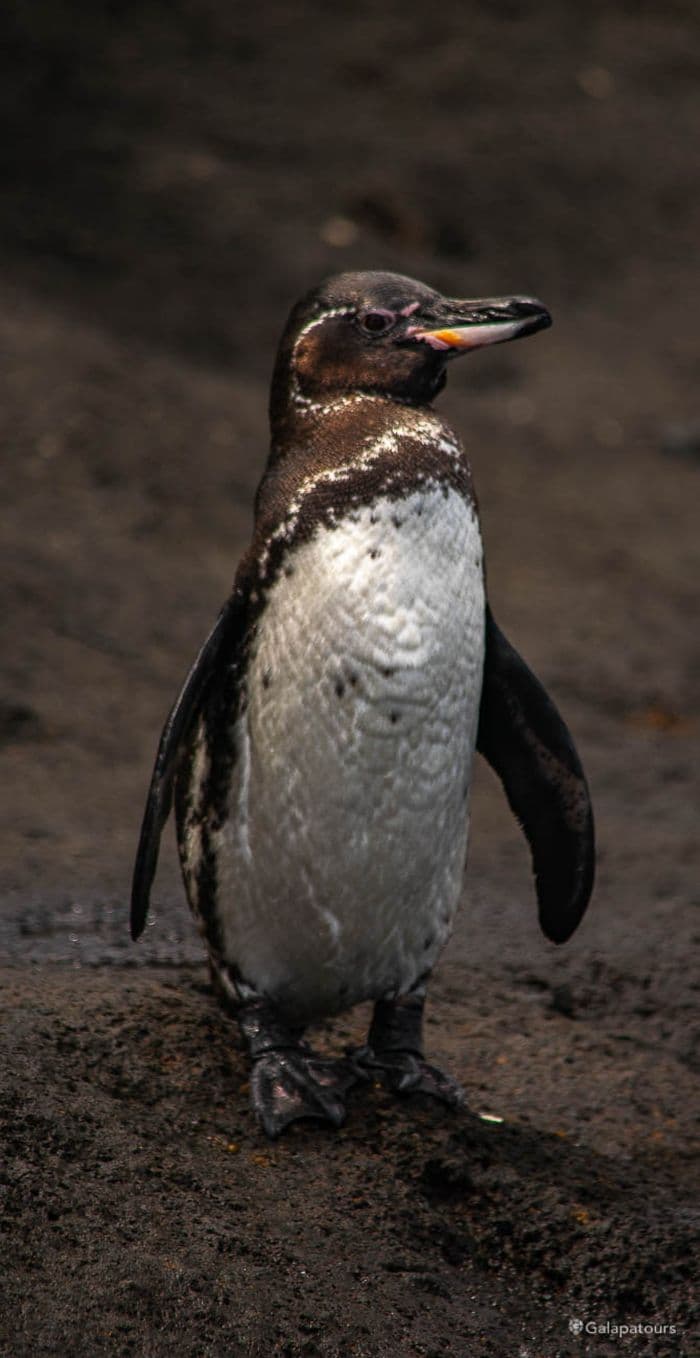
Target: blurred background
[(174, 176)]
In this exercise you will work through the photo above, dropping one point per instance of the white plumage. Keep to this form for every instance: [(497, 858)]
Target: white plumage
[(340, 864)]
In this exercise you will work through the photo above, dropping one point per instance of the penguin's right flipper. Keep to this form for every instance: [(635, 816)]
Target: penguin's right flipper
[(527, 743), (224, 639)]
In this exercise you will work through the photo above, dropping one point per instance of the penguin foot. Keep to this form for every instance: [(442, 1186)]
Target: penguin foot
[(394, 1052), (289, 1081), (406, 1073), (295, 1083)]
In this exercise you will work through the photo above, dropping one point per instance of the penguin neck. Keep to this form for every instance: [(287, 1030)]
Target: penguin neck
[(329, 459), (299, 421)]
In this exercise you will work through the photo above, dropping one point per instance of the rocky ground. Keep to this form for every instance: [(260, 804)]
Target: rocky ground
[(174, 177)]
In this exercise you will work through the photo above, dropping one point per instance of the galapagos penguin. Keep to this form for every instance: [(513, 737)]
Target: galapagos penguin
[(319, 755)]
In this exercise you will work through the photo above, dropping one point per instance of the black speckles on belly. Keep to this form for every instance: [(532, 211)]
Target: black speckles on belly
[(374, 552), (352, 680), (428, 942), (394, 717), (339, 688), (267, 678), (388, 672), (397, 522)]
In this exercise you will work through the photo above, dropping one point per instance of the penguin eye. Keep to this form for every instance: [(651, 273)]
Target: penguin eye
[(377, 321)]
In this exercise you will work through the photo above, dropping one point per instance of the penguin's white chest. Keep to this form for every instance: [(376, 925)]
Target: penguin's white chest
[(340, 865)]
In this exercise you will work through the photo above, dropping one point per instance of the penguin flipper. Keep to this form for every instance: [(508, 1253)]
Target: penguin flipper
[(226, 634), (527, 743)]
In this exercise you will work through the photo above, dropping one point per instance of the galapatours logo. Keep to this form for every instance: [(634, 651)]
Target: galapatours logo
[(615, 1331)]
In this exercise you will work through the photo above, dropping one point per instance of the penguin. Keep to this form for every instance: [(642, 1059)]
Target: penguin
[(319, 756)]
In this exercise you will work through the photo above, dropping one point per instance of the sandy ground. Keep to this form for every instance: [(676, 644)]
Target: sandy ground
[(174, 178)]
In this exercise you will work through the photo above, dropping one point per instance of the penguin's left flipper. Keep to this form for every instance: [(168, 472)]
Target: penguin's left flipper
[(527, 743), (225, 637)]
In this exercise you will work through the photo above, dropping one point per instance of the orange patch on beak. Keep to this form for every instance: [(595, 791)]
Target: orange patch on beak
[(457, 339)]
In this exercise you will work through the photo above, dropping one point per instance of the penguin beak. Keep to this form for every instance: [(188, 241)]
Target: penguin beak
[(471, 325)]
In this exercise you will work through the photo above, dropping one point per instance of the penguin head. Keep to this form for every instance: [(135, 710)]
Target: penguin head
[(384, 334)]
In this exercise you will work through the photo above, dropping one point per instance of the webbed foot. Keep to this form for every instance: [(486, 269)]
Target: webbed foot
[(394, 1053), (406, 1072), (289, 1081), (292, 1084)]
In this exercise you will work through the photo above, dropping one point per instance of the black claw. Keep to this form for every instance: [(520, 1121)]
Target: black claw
[(293, 1084)]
